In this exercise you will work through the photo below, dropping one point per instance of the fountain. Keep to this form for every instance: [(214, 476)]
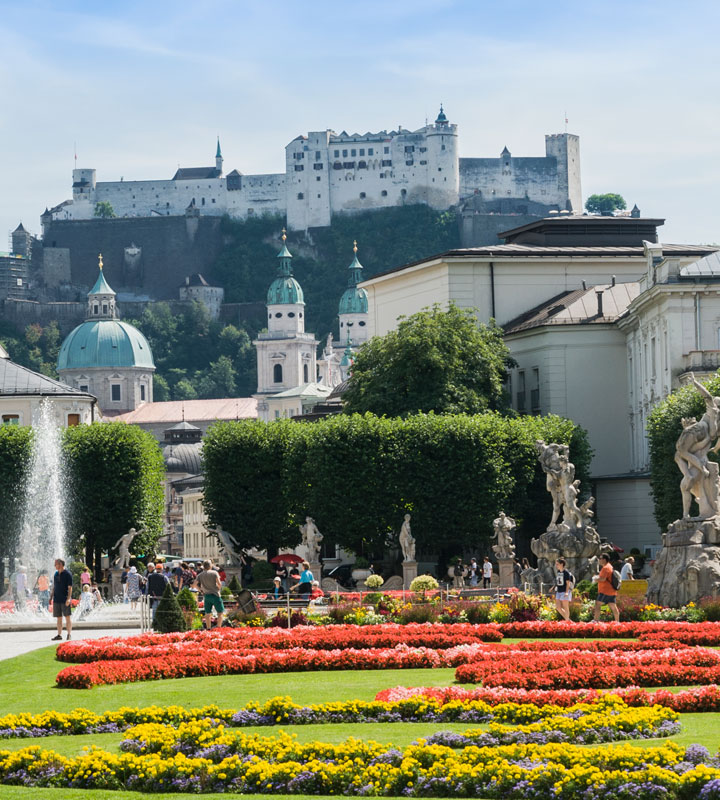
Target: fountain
[(42, 533)]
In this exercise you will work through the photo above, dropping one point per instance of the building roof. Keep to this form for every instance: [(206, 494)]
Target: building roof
[(585, 229), (354, 300), (225, 408), (306, 390), (105, 343), (508, 251), (578, 307), (101, 285), (184, 457), (192, 173), (708, 266), (16, 380), (20, 229), (196, 279)]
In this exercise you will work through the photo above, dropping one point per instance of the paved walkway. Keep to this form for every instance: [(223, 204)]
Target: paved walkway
[(15, 643)]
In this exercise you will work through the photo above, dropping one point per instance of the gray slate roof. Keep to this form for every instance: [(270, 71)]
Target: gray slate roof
[(708, 266), (17, 380), (193, 173)]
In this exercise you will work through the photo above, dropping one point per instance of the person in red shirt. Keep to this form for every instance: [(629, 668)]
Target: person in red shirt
[(607, 594)]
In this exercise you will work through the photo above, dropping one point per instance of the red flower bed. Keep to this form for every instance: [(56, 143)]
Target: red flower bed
[(703, 698), (584, 669), (706, 633), (333, 637)]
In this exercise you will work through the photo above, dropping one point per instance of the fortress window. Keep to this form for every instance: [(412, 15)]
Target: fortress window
[(319, 197), (277, 373), (213, 200), (336, 154), (349, 165), (409, 148), (318, 178), (344, 153), (443, 147), (362, 151), (301, 196), (403, 192), (115, 392), (370, 151), (384, 192), (269, 316), (386, 163), (423, 163), (362, 195), (203, 201), (299, 167), (423, 149), (317, 166), (439, 169), (300, 315), (337, 165), (353, 152), (409, 163), (386, 149), (362, 164)]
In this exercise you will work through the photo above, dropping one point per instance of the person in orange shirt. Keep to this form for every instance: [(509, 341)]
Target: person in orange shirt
[(607, 594)]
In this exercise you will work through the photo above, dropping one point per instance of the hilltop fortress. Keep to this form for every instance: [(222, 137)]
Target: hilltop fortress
[(328, 173)]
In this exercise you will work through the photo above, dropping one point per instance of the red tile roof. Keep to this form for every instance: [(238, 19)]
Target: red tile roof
[(225, 408)]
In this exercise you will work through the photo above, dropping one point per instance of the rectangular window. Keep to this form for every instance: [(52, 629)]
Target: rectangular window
[(142, 392), (318, 155), (73, 420), (115, 392), (409, 163), (423, 163), (336, 154), (299, 167), (353, 152), (344, 153), (362, 151), (83, 387), (371, 152), (520, 396), (10, 419), (386, 149), (386, 163), (318, 166), (409, 148), (535, 390)]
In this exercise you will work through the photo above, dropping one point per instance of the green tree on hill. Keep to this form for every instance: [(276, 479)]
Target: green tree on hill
[(442, 361), (605, 203), (104, 210)]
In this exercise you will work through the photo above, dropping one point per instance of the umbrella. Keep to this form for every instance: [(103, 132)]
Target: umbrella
[(288, 558)]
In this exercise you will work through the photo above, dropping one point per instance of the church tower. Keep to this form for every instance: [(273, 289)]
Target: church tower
[(353, 309), (286, 355), (218, 159)]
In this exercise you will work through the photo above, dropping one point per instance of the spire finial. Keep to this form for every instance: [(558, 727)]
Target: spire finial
[(284, 234), (355, 246), (100, 264)]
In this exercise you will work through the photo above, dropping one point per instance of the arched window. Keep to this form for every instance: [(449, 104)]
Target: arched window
[(277, 373), (305, 373)]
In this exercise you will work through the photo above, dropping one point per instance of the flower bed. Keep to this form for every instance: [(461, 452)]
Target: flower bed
[(202, 756)]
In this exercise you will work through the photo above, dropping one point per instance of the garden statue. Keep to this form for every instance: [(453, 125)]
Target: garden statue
[(407, 543), (504, 527), (231, 547), (570, 534), (311, 538), (123, 547), (688, 566)]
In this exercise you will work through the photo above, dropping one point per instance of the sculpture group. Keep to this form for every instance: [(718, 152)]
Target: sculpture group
[(688, 566)]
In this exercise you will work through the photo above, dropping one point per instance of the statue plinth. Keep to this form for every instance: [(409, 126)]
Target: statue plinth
[(688, 566), (506, 572), (316, 569), (579, 546), (409, 573), (116, 587)]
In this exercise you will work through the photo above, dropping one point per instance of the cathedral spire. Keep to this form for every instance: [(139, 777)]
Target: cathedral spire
[(218, 158)]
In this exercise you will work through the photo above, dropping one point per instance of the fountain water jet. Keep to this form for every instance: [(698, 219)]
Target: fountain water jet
[(42, 532)]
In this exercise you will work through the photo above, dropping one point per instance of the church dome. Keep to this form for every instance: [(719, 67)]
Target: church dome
[(105, 343), (284, 290), (354, 301), (183, 458)]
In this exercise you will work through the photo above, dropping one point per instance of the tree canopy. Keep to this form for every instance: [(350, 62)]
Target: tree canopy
[(358, 474), (663, 429), (605, 203), (104, 210), (116, 474), (15, 454), (442, 361)]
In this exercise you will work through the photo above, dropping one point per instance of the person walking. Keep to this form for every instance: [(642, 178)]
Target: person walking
[(208, 581), (474, 571), (564, 583), (156, 583), (60, 598), (459, 575), (85, 577), (134, 587), (306, 581), (42, 584), (607, 592), (487, 572), (627, 573)]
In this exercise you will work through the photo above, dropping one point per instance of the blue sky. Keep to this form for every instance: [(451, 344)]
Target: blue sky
[(145, 86)]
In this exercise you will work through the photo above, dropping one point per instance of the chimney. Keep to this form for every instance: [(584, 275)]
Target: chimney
[(584, 285), (613, 280), (599, 295)]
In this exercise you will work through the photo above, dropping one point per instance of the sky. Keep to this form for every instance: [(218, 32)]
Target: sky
[(137, 87)]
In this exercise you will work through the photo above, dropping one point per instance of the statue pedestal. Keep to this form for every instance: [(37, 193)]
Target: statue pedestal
[(116, 587), (316, 569), (409, 573), (506, 572)]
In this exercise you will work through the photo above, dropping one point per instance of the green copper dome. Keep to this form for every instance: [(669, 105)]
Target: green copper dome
[(101, 285), (285, 290), (354, 300), (105, 343)]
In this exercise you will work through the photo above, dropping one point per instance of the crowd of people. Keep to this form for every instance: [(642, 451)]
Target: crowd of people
[(291, 580)]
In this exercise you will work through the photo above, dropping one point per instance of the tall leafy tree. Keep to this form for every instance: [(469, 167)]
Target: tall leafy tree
[(15, 454), (442, 361), (605, 203), (116, 484)]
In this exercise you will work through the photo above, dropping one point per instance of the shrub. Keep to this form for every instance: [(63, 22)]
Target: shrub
[(477, 613), (234, 585), (226, 594), (500, 612), (422, 612), (169, 617), (255, 619), (711, 607), (280, 620), (187, 600), (374, 582), (423, 583), (630, 610)]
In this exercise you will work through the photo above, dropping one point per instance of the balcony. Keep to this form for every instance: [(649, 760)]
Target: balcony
[(703, 363)]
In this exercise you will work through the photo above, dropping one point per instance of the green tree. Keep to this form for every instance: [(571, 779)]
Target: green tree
[(15, 455), (161, 389), (184, 390), (218, 380), (605, 203), (169, 617), (664, 426), (104, 210), (116, 484), (443, 361)]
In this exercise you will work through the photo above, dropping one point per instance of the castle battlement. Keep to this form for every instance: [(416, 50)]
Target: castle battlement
[(328, 173)]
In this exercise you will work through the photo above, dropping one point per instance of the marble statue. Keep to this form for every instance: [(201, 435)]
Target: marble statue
[(570, 534), (688, 566), (407, 543), (503, 531), (311, 538), (231, 547), (123, 547)]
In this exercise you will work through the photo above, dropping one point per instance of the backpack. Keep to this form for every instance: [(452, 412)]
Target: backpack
[(615, 579), (572, 578), (458, 570)]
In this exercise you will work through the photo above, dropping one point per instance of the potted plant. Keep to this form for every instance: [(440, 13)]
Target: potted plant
[(361, 571)]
